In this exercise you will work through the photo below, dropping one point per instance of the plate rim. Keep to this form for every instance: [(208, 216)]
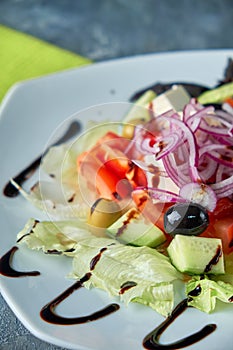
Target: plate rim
[(95, 65)]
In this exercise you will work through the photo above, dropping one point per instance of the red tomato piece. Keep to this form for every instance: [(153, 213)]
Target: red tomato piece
[(109, 170), (224, 208), (224, 230), (221, 224)]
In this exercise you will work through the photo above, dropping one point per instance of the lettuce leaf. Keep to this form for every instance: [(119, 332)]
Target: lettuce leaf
[(53, 237), (59, 191), (139, 274), (135, 274), (208, 292)]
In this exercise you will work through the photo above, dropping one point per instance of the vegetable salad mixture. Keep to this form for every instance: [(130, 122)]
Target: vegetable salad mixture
[(147, 202)]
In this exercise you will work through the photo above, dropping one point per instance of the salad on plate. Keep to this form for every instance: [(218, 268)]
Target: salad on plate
[(143, 205)]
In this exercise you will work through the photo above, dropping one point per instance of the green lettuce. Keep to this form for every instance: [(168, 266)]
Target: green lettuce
[(116, 266), (139, 274), (60, 192), (208, 291), (56, 236), (135, 274)]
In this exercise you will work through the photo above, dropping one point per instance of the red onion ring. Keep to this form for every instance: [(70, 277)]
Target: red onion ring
[(197, 147)]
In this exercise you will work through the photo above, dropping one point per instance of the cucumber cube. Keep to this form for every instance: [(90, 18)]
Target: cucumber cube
[(133, 228), (197, 255)]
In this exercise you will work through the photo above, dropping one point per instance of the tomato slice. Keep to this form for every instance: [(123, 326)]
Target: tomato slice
[(224, 230), (113, 141), (221, 224), (224, 208), (109, 170)]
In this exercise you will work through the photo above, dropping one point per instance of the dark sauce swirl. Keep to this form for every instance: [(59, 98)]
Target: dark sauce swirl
[(48, 311), (10, 190), (6, 268), (126, 286), (214, 260), (195, 292), (96, 258), (151, 341)]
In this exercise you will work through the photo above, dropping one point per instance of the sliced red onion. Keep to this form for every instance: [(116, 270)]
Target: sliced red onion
[(225, 159), (189, 109), (168, 144), (189, 136), (162, 195), (211, 147), (223, 173), (226, 140), (150, 168), (207, 169), (193, 120), (219, 126), (192, 107), (223, 188), (200, 194), (174, 171), (220, 118), (225, 115), (196, 149)]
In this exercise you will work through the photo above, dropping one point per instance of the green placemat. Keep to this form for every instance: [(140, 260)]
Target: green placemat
[(23, 57)]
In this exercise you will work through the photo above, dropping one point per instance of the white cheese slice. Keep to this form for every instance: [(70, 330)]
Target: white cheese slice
[(175, 98)]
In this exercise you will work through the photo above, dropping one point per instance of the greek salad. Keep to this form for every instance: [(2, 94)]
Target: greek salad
[(146, 202)]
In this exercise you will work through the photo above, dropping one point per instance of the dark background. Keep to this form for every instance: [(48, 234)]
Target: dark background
[(106, 29)]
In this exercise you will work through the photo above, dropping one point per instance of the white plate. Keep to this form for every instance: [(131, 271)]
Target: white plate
[(29, 114)]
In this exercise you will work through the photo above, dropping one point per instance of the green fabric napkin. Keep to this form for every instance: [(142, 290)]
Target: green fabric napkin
[(23, 57)]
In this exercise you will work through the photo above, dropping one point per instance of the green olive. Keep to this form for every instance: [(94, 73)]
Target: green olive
[(102, 214)]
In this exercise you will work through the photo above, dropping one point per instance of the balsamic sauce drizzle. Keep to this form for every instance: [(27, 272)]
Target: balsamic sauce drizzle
[(96, 258), (48, 314), (10, 190), (6, 268), (195, 292), (126, 286), (151, 341), (28, 233), (214, 260)]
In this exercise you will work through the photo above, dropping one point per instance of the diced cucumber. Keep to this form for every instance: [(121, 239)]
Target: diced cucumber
[(197, 255), (133, 228), (218, 95), (139, 109)]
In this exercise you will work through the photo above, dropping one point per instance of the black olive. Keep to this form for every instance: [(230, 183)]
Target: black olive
[(186, 219)]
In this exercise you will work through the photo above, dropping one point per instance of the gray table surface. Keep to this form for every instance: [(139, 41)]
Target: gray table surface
[(106, 29)]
